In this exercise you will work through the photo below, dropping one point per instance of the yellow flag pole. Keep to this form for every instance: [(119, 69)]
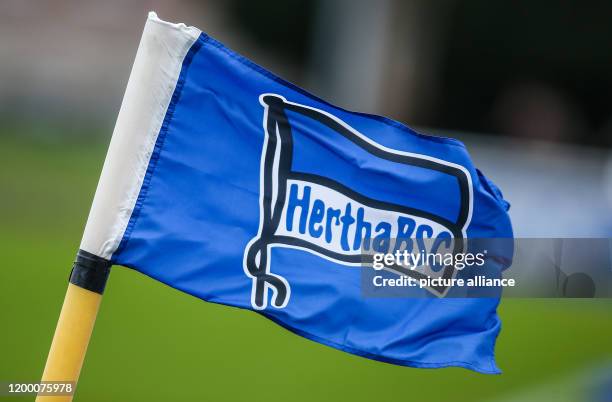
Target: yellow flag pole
[(76, 322), (150, 89)]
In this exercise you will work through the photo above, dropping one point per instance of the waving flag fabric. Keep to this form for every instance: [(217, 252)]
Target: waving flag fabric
[(230, 184)]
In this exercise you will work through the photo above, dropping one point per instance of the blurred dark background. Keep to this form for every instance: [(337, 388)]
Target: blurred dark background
[(520, 68), (539, 70)]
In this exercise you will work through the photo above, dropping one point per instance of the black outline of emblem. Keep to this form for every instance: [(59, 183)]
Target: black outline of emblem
[(276, 163)]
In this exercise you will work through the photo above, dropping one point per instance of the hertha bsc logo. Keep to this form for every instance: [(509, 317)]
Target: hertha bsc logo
[(340, 213)]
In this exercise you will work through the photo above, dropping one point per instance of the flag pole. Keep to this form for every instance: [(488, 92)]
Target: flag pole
[(76, 322), (150, 89)]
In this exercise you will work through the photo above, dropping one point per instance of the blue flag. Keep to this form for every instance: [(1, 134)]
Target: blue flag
[(235, 186)]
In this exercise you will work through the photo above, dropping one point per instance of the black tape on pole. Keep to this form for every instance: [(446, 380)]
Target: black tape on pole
[(90, 272)]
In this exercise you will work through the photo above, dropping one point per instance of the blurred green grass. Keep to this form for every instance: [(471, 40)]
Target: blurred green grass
[(154, 343)]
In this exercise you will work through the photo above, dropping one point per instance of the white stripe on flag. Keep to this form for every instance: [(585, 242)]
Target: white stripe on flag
[(152, 81)]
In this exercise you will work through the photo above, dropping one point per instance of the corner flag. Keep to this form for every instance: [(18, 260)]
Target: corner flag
[(226, 182)]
